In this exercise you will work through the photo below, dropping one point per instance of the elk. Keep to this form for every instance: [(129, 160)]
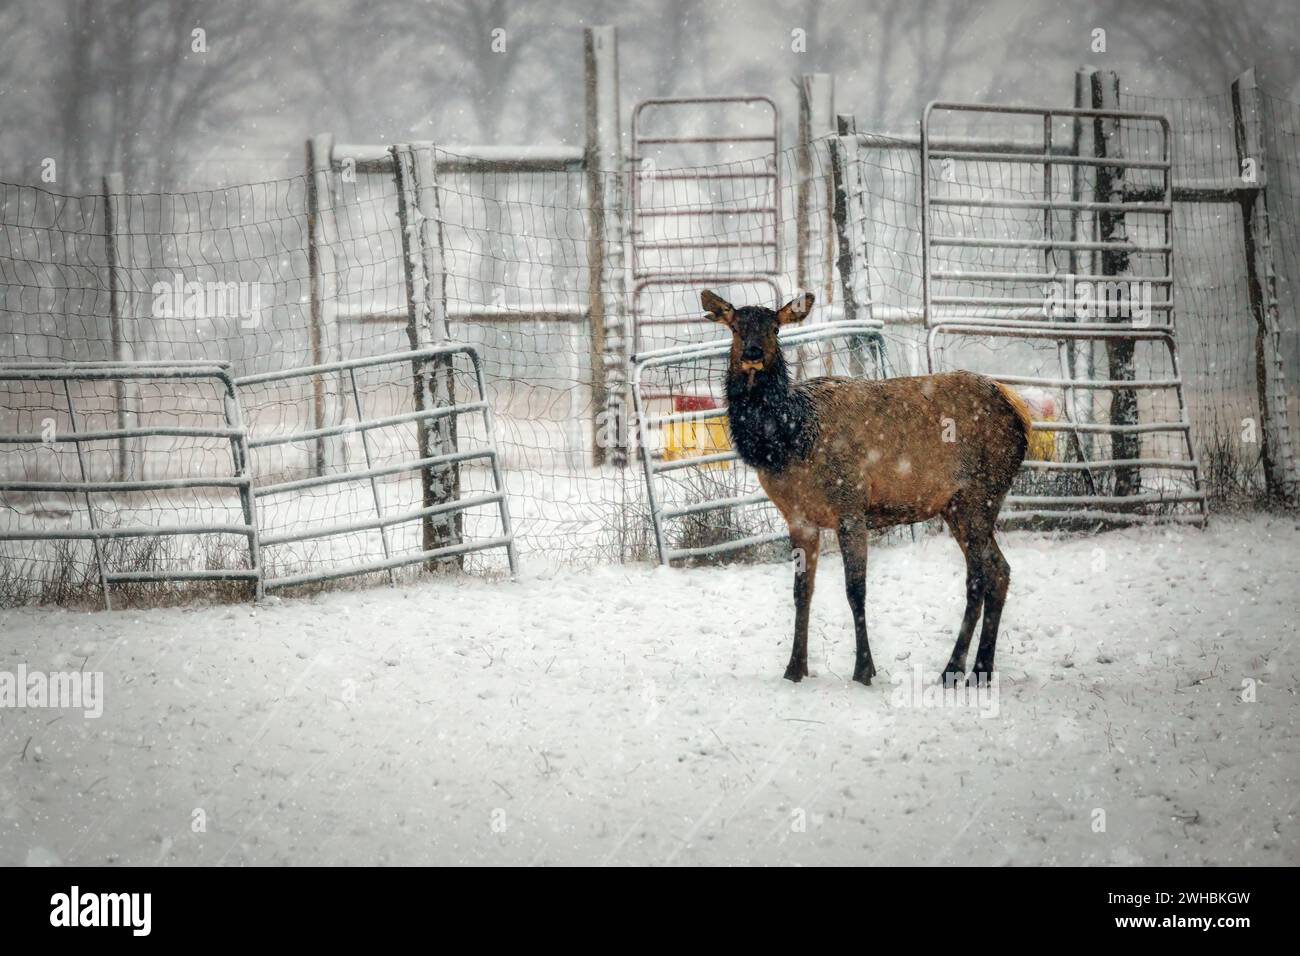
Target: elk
[(855, 455)]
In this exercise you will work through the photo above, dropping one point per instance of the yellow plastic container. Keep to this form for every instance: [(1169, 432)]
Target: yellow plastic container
[(694, 439), (1042, 444)]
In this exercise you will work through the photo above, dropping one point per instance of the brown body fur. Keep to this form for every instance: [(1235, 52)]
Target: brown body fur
[(853, 455), (881, 452)]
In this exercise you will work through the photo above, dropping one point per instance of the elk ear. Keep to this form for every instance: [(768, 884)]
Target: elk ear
[(718, 308), (796, 310)]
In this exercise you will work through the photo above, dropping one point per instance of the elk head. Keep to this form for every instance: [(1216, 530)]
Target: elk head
[(754, 343)]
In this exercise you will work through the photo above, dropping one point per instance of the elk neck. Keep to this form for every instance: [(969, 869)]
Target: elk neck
[(772, 424)]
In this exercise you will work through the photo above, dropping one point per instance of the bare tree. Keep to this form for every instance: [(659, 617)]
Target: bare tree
[(1208, 42), (133, 81)]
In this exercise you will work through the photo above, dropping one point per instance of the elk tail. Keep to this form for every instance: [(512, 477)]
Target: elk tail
[(1018, 405)]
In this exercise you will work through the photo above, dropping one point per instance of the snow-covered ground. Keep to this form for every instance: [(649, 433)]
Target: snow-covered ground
[(1146, 713)]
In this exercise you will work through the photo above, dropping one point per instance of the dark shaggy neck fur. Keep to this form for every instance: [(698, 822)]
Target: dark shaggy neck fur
[(772, 424)]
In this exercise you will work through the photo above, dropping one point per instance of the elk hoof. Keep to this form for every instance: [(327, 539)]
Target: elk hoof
[(796, 672), (863, 675), (864, 679), (980, 677), (951, 676)]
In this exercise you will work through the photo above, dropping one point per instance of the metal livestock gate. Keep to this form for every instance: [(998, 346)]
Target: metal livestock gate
[(171, 518), (1034, 273), (95, 504), (742, 200), (425, 441)]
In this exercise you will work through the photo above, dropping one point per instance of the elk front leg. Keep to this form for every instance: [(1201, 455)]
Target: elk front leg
[(854, 538), (805, 541)]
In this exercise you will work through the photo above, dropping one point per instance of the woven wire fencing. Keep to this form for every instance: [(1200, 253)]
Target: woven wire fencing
[(514, 248), (226, 275), (1216, 330)]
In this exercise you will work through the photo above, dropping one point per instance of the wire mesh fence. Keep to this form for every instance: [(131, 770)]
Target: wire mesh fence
[(1044, 273), (1217, 334), (228, 275)]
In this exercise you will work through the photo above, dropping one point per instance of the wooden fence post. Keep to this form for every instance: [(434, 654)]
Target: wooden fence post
[(1109, 188), (319, 197), (119, 342), (445, 529), (849, 214), (606, 256), (424, 267), (816, 119), (1080, 353), (1277, 454)]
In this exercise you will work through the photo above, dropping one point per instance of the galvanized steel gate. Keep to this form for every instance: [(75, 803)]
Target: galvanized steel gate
[(215, 393), (442, 536), (752, 206), (131, 430), (992, 214)]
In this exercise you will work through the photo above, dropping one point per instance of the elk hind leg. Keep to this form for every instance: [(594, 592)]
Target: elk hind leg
[(964, 527), (997, 578), (854, 538)]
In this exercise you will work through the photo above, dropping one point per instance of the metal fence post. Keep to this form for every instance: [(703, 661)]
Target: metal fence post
[(1277, 453)]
